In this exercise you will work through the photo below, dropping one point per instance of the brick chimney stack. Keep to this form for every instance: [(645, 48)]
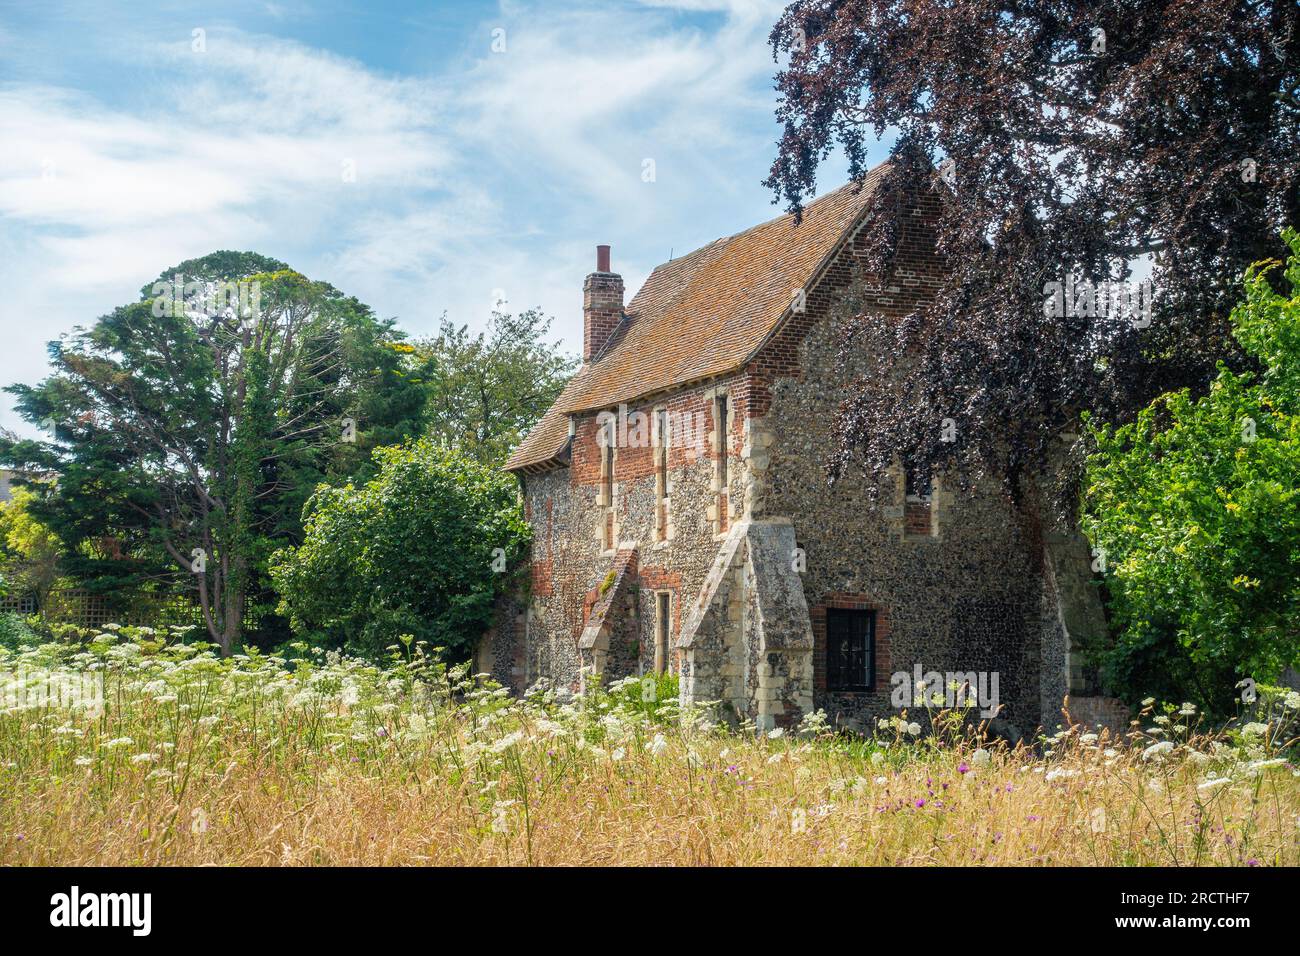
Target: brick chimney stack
[(602, 305)]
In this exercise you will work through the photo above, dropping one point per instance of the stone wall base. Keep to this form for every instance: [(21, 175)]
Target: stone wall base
[(1098, 713)]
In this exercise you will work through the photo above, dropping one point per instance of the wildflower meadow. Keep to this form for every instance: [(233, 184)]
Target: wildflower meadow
[(137, 748)]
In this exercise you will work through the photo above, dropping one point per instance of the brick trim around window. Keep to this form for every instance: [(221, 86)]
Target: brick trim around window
[(853, 602)]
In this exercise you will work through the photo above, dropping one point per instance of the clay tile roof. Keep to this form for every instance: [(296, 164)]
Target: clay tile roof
[(702, 315), (549, 436)]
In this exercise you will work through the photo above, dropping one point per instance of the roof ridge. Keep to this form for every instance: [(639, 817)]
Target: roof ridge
[(850, 185)]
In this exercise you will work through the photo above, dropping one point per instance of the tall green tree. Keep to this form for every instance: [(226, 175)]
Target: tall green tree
[(1196, 507), (487, 389), (190, 426)]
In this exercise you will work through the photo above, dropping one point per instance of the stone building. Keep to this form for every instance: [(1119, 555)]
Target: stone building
[(683, 521)]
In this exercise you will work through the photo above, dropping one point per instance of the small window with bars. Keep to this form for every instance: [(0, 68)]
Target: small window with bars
[(850, 649)]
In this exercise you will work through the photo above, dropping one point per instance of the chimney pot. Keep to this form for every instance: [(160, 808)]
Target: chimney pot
[(602, 258)]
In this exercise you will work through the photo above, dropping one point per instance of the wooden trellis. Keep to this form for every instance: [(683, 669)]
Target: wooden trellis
[(88, 609)]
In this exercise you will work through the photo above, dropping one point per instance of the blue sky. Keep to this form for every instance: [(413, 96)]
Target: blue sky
[(478, 173)]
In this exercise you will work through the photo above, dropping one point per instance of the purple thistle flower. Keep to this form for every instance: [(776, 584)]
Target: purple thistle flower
[(963, 767)]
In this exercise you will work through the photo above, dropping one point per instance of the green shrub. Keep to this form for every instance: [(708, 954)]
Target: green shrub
[(1196, 506), (423, 549), (14, 633), (654, 695)]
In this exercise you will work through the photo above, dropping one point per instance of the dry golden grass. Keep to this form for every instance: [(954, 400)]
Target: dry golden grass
[(342, 764)]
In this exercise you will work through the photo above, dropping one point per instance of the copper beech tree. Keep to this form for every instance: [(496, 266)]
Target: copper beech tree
[(1143, 150)]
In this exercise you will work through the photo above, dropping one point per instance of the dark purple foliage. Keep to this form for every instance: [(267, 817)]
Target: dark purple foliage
[(1174, 141)]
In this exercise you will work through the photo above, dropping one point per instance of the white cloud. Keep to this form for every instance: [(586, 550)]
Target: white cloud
[(500, 172)]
